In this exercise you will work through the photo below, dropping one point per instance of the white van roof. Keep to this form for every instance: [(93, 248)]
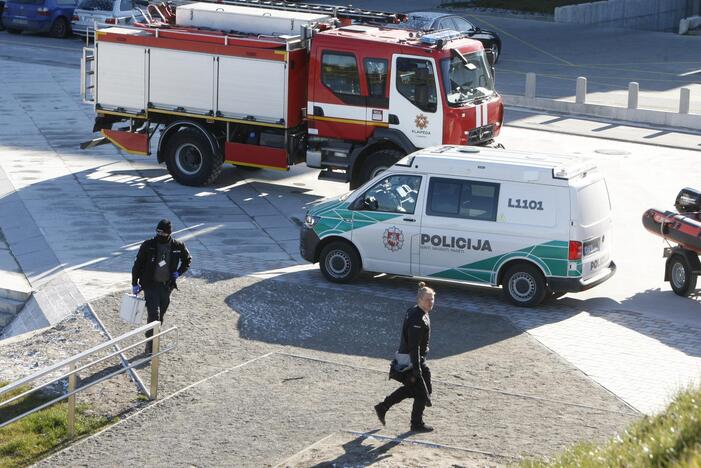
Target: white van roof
[(499, 164)]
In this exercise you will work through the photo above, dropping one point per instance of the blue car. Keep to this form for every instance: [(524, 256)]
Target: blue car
[(43, 16)]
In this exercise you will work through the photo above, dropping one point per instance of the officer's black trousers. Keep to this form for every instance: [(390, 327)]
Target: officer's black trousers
[(157, 301), (412, 390)]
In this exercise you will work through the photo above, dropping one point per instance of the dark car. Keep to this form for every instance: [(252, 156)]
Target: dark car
[(431, 21), (47, 16)]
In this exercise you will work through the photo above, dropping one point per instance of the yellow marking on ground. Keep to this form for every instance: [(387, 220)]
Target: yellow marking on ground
[(535, 47)]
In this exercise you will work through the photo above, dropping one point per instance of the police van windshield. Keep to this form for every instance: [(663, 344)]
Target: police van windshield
[(466, 78)]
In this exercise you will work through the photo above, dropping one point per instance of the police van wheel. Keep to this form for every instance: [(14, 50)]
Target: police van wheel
[(524, 285), (339, 262), (190, 159), (682, 280)]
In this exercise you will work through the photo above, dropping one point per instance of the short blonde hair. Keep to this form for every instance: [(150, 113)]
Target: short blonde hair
[(423, 291)]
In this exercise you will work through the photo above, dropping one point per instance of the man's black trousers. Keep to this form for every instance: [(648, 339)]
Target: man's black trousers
[(157, 301), (412, 390)]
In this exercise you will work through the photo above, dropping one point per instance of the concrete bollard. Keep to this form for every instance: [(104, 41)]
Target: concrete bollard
[(633, 91), (581, 90), (684, 99), (530, 85)]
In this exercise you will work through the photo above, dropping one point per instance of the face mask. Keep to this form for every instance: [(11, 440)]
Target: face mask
[(162, 239)]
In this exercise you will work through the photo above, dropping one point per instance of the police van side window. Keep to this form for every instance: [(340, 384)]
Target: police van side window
[(393, 194), (467, 199)]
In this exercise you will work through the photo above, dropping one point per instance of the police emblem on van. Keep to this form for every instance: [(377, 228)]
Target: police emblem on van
[(393, 238)]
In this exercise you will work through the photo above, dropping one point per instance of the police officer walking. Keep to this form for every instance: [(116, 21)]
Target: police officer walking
[(158, 265), (414, 374)]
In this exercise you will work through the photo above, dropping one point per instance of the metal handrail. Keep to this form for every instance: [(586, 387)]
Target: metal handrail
[(73, 371)]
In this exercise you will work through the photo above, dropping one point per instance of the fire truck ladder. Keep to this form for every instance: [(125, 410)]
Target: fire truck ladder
[(340, 12)]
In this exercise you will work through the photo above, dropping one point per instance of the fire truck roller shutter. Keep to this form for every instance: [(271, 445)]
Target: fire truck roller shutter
[(191, 153)]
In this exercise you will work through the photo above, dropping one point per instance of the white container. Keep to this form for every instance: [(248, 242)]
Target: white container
[(245, 19), (133, 309)]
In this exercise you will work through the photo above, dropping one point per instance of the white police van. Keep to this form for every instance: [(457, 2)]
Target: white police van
[(536, 224)]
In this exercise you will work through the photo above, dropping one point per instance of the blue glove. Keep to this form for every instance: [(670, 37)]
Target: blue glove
[(135, 289), (175, 275)]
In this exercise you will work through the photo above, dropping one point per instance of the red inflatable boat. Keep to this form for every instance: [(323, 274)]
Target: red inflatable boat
[(684, 228)]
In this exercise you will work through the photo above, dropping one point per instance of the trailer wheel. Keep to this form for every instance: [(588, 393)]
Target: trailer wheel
[(524, 285), (681, 278), (190, 158), (378, 162), (339, 262)]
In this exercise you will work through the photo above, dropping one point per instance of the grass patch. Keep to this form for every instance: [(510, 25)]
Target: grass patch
[(29, 439), (531, 6), (672, 438)]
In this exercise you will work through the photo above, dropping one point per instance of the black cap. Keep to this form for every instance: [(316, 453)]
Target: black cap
[(164, 225)]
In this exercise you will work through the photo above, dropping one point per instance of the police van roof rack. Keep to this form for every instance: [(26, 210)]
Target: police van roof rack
[(340, 12)]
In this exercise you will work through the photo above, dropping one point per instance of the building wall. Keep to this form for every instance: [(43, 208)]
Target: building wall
[(652, 15)]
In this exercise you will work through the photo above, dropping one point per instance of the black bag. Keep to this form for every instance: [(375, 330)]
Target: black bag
[(398, 375)]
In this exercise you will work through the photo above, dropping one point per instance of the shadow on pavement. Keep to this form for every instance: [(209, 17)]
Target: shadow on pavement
[(357, 454), (355, 320)]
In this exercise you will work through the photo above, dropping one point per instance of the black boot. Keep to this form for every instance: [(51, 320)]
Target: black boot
[(149, 347), (421, 427), (381, 410)]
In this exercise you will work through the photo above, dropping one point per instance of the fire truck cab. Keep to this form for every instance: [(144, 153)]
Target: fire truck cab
[(377, 94), (272, 84)]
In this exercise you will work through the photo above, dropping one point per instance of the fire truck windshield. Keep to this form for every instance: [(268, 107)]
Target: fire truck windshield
[(466, 78)]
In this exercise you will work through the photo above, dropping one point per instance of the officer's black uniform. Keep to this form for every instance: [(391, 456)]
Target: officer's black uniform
[(157, 285), (416, 333)]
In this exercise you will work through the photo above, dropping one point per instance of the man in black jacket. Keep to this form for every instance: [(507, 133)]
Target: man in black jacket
[(158, 265), (416, 376)]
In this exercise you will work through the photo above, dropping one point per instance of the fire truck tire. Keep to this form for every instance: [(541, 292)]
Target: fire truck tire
[(681, 278), (524, 285), (339, 262), (377, 162), (190, 158)]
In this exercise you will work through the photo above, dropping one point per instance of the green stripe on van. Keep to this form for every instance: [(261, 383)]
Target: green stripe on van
[(336, 218), (550, 256)]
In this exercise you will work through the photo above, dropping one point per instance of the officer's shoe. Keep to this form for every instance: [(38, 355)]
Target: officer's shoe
[(421, 428), (381, 410), (149, 348)]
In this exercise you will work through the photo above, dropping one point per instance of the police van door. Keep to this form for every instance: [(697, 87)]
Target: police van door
[(386, 221), (415, 107), (457, 232)]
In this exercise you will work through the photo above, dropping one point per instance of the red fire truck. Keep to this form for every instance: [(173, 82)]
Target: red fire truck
[(271, 84)]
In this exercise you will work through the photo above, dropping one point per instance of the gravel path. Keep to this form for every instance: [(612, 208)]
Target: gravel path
[(286, 365)]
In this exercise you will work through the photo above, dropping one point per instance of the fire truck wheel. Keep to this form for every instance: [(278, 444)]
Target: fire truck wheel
[(524, 285), (682, 280), (339, 262), (190, 159), (378, 162)]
